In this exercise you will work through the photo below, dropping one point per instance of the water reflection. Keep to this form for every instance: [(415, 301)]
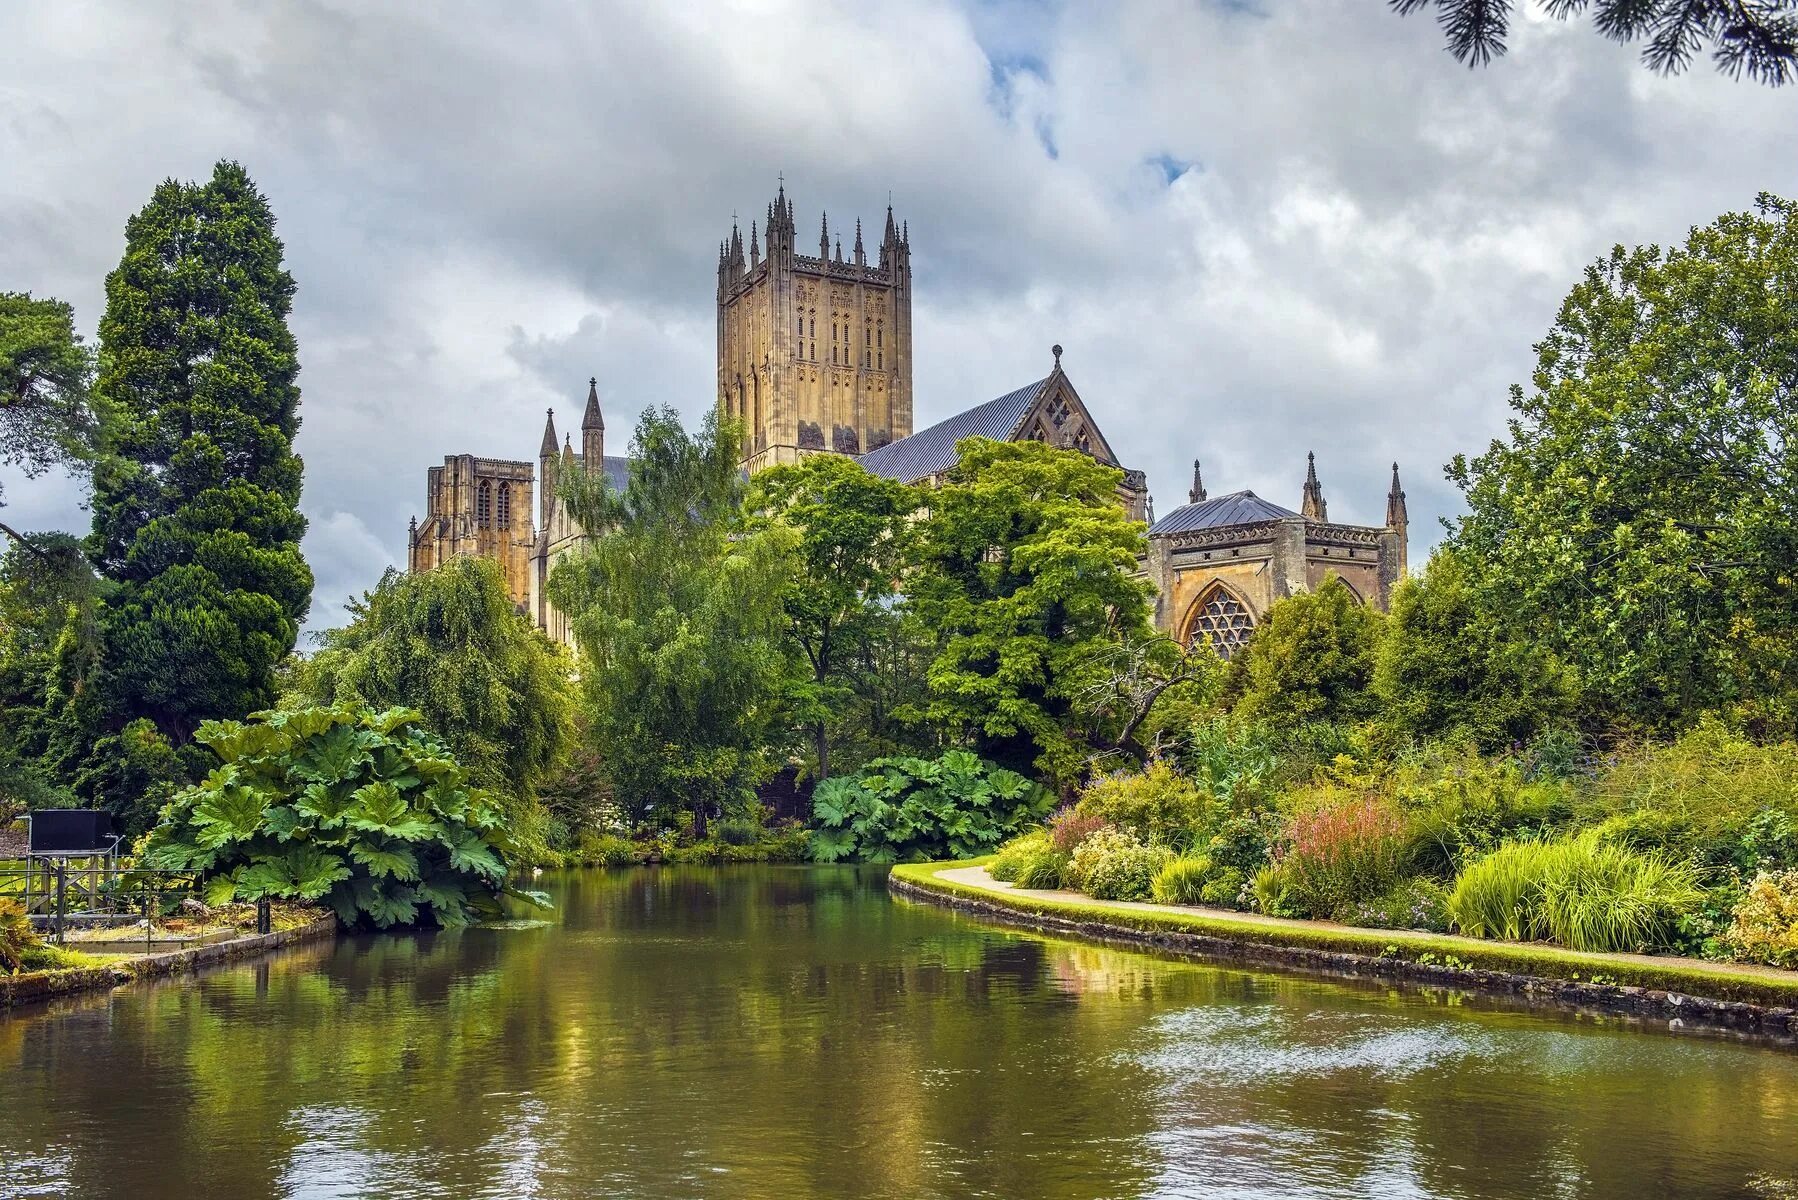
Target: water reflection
[(751, 1032)]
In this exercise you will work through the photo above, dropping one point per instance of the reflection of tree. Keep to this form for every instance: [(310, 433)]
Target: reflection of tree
[(787, 1031)]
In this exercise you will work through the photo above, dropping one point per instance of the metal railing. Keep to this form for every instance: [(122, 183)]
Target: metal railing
[(64, 895)]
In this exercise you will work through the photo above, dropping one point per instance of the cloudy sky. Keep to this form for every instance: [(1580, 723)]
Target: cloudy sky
[(1258, 228)]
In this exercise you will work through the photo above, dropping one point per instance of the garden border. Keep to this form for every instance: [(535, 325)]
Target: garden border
[(36, 986), (1683, 992)]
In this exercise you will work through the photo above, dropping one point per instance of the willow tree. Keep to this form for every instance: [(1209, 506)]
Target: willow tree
[(450, 644), (677, 613)]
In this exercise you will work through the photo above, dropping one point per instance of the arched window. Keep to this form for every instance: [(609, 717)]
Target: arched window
[(1220, 618), (483, 504), (505, 506)]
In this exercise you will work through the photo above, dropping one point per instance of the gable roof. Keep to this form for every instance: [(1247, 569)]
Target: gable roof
[(930, 451), (1235, 508)]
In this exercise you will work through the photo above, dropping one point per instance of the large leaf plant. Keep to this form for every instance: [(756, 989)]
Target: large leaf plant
[(916, 810), (364, 811)]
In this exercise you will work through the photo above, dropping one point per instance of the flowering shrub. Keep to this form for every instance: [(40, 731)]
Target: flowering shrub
[(1156, 804), (1765, 925), (1115, 865), (1069, 827), (1338, 853)]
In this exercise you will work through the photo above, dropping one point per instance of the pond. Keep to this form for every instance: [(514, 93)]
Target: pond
[(794, 1032)]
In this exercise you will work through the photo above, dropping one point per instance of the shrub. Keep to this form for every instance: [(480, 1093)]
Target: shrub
[(1582, 892), (1181, 880), (1014, 855), (1310, 659), (1156, 804), (1343, 850), (1460, 805), (1271, 890), (364, 811), (1765, 921), (1069, 827), (1113, 864), (605, 850), (17, 938), (913, 809)]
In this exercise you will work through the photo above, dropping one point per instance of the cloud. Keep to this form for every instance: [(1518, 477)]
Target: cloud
[(1257, 230)]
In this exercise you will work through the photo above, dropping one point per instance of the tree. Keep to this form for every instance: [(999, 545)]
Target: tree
[(678, 615), (195, 505), (1027, 570), (1447, 668), (1641, 518), (1757, 36), (854, 535), (47, 644), (45, 370), (449, 643), (1311, 659)]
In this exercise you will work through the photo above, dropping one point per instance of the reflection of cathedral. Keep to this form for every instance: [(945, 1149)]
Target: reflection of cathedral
[(815, 357)]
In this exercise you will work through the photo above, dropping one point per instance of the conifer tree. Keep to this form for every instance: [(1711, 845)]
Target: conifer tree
[(195, 505)]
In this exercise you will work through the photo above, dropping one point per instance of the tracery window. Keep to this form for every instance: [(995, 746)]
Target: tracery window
[(505, 505), (1220, 618), (483, 504)]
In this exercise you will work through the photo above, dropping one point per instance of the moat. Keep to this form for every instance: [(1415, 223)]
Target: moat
[(750, 1032)]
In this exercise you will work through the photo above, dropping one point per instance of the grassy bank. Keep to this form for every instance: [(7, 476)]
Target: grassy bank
[(1736, 984)]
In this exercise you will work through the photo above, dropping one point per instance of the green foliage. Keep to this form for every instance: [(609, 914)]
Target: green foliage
[(680, 622), (1712, 798), (1342, 847), (1156, 804), (1182, 880), (449, 643), (1582, 892), (1311, 659), (364, 811), (48, 594), (1764, 924), (1419, 903), (1641, 518), (1026, 571), (1460, 805), (912, 809), (853, 538), (17, 939), (1447, 668), (45, 372), (1016, 854), (1114, 864)]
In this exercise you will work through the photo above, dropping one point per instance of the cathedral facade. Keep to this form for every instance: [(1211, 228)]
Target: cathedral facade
[(815, 357)]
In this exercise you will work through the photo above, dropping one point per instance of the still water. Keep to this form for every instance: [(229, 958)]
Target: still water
[(793, 1032)]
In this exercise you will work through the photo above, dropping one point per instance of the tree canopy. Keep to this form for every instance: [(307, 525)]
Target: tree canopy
[(45, 371), (678, 615), (1641, 517), (1027, 570), (1759, 37), (195, 505), (1311, 659)]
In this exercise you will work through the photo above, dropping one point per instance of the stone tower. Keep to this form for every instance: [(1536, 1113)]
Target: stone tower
[(814, 354), (481, 507)]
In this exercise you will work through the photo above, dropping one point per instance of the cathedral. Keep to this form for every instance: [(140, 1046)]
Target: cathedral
[(815, 357)]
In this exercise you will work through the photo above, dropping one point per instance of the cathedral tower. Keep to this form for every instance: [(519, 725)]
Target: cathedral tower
[(813, 353)]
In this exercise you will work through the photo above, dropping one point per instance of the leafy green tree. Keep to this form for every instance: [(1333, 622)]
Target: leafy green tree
[(1760, 37), (1027, 570), (1641, 518), (678, 614), (360, 810), (449, 643), (195, 506), (1447, 668), (45, 372), (854, 537), (1310, 660), (47, 643)]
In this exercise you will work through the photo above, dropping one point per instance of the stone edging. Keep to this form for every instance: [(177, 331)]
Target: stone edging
[(1678, 1009), (46, 985)]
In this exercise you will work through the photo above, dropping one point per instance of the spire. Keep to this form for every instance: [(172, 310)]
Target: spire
[(824, 239), (839, 249), (549, 435), (592, 419), (1396, 516), (567, 449), (892, 233), (1198, 485), (1314, 506), (861, 259), (755, 247)]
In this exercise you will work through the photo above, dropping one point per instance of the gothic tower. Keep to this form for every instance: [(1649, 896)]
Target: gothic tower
[(813, 353)]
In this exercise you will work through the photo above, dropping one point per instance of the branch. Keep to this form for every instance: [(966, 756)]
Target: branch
[(23, 541)]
